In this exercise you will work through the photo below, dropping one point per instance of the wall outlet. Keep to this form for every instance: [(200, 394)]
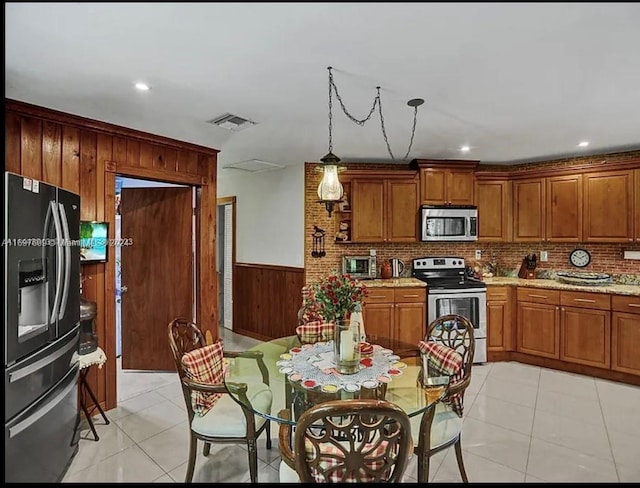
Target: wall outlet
[(478, 254), (372, 252), (544, 256)]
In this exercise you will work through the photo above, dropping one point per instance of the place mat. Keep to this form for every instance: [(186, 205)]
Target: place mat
[(313, 366)]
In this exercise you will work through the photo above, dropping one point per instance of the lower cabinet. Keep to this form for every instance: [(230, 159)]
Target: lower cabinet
[(395, 313), (625, 334), (538, 322), (568, 325), (499, 318)]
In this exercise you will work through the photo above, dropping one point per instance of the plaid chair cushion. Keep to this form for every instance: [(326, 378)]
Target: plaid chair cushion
[(332, 456), (204, 365), (448, 362), (311, 310), (313, 332)]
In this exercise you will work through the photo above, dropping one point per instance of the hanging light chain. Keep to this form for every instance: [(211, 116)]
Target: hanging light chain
[(377, 101)]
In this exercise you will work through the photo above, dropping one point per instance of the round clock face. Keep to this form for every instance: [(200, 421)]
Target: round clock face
[(580, 257)]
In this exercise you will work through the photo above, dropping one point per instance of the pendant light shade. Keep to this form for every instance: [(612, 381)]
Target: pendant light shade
[(330, 189)]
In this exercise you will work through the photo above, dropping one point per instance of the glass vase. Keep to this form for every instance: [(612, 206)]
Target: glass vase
[(346, 343)]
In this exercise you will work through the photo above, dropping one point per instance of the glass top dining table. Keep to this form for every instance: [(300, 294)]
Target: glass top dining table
[(295, 388)]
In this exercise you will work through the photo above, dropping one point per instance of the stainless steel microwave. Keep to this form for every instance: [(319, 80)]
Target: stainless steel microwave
[(449, 223), (360, 267)]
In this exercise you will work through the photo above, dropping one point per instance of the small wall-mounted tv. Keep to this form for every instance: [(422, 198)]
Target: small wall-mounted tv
[(94, 240)]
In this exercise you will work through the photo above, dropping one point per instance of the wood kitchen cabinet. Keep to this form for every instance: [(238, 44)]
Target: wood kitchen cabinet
[(563, 209), (446, 182), (538, 322), (384, 209), (493, 199), (585, 328), (548, 209), (625, 334), (396, 313), (529, 210), (608, 206), (499, 318), (636, 189)]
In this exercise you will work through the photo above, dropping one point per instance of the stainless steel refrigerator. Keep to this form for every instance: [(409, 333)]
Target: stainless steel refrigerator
[(41, 329)]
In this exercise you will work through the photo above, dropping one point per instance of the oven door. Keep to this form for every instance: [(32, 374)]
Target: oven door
[(471, 304)]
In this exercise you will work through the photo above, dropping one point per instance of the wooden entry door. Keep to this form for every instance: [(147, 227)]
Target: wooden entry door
[(157, 271)]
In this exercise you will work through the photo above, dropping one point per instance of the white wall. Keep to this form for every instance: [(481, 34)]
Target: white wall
[(269, 214)]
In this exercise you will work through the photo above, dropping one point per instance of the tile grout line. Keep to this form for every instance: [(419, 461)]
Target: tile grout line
[(606, 429), (533, 421)]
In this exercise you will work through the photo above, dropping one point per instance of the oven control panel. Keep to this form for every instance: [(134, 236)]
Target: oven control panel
[(438, 263)]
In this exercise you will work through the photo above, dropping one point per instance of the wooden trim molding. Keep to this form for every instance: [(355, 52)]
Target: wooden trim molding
[(86, 123), (534, 170), (156, 174), (272, 267)]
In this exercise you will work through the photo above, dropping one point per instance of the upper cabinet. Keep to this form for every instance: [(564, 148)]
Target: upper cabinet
[(548, 209), (636, 189), (446, 182), (384, 209), (528, 210), (493, 198), (608, 206)]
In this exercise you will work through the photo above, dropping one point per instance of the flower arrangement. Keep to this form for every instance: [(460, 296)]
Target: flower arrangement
[(336, 296)]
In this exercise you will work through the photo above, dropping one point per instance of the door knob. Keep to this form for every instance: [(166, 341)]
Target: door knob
[(124, 289)]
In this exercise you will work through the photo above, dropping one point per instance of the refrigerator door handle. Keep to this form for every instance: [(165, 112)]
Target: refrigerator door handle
[(67, 261), (32, 368), (56, 222), (38, 414)]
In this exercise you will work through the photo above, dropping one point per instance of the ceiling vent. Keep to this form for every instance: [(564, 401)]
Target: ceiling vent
[(253, 166), (231, 122)]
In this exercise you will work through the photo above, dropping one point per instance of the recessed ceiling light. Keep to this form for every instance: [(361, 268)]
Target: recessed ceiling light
[(465, 149), (583, 144), (142, 86)]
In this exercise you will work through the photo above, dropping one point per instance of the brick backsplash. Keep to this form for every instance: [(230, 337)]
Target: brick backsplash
[(604, 257)]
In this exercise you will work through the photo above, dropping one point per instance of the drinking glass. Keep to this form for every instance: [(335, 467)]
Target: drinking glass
[(434, 383), (347, 346)]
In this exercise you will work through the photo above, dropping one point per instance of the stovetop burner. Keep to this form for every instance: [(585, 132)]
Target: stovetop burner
[(444, 273)]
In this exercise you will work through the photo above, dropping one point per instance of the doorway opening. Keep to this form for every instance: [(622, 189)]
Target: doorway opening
[(225, 259)]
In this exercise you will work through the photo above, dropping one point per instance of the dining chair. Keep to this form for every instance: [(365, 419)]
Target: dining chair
[(441, 427), (214, 416), (362, 441)]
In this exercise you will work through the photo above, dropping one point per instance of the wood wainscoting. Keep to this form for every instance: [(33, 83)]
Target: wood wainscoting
[(266, 300)]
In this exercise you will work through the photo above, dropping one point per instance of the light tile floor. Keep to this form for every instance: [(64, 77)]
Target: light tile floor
[(522, 424)]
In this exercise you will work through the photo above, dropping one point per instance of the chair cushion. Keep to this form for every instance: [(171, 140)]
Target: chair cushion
[(313, 332), (204, 365), (333, 456), (446, 426), (448, 362), (226, 419)]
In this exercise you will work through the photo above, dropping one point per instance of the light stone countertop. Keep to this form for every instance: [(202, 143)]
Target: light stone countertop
[(613, 289), (395, 283)]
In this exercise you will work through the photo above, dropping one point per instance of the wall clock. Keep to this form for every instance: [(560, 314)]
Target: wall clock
[(580, 258)]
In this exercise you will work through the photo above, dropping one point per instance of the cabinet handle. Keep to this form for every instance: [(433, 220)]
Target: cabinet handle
[(538, 296), (410, 296), (583, 300), (377, 296), (557, 308), (634, 305)]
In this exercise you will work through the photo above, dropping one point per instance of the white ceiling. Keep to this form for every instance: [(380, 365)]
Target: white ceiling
[(516, 82)]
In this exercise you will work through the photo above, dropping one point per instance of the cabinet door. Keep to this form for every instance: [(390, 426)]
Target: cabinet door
[(368, 210), (625, 342), (564, 209), (410, 323), (402, 210), (378, 320), (492, 199), (433, 186), (585, 335), (608, 206), (528, 210), (459, 186), (498, 324), (636, 187), (538, 329)]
